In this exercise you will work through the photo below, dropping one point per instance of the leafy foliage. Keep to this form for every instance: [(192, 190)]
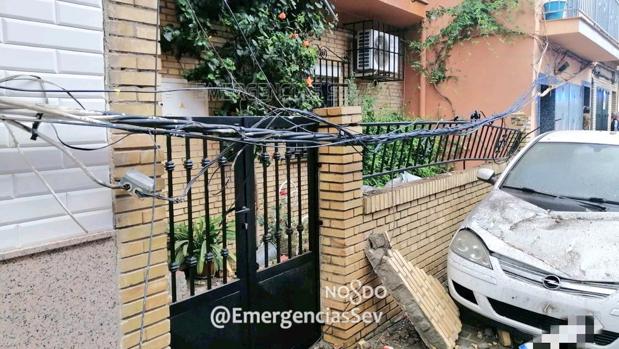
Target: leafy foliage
[(276, 34), (204, 237), (376, 158), (469, 19), (384, 158)]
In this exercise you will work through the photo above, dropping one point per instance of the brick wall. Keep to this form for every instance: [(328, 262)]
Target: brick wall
[(522, 122), (132, 43), (388, 96), (337, 41), (172, 67), (420, 217), (341, 213), (61, 42)]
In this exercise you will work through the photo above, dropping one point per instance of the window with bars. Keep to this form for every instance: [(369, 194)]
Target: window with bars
[(332, 76), (376, 53)]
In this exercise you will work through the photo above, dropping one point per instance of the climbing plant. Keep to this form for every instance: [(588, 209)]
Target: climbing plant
[(263, 47), (468, 20)]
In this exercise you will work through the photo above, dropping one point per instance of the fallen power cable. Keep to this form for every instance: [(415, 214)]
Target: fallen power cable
[(20, 114)]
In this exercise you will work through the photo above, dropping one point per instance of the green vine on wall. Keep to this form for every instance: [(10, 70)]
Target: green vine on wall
[(468, 20), (258, 46)]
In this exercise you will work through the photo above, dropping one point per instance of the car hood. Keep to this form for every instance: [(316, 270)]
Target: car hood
[(576, 245)]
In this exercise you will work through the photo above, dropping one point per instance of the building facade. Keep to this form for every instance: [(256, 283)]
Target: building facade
[(569, 51), (109, 286)]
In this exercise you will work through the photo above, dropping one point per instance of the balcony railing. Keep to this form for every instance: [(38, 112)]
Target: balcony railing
[(603, 14)]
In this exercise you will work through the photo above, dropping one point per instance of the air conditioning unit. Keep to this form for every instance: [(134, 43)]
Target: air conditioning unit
[(377, 53)]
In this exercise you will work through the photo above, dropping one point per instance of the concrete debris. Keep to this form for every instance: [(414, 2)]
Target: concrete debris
[(367, 188), (322, 345), (362, 344), (402, 178), (505, 338), (423, 298)]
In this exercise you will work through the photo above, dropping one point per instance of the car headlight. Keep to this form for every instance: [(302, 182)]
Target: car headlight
[(468, 245)]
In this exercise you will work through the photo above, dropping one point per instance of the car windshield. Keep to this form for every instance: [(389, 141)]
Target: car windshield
[(576, 170)]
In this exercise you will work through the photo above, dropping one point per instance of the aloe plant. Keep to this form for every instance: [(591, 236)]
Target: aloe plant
[(203, 237)]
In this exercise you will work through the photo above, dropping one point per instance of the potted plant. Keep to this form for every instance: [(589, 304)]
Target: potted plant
[(204, 237), (554, 9)]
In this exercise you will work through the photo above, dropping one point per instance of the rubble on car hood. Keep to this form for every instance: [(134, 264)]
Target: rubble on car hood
[(580, 245)]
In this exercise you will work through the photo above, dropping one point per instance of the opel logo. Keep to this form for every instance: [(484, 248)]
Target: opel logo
[(552, 282)]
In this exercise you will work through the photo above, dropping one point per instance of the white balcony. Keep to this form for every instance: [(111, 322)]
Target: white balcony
[(589, 28)]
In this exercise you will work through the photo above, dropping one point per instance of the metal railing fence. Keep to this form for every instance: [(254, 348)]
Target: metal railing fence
[(386, 160)]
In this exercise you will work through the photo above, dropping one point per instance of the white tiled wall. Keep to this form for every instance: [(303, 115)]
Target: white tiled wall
[(61, 41)]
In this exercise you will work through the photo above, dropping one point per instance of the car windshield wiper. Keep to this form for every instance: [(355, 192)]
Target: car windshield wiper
[(595, 200), (583, 202), (531, 191)]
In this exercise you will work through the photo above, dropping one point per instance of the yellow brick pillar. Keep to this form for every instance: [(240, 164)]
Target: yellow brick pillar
[(341, 213), (522, 121), (132, 63)]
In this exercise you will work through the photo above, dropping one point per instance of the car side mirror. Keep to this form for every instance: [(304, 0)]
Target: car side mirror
[(486, 175)]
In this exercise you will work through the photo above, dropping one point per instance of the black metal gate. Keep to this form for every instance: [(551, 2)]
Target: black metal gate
[(269, 195)]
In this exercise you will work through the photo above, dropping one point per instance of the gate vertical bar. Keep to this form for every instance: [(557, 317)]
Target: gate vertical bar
[(207, 216), (264, 159), (191, 259), (173, 267), (289, 202), (300, 199), (278, 236), (313, 210), (224, 219), (245, 206)]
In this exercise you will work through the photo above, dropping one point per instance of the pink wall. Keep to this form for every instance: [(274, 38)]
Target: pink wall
[(490, 73)]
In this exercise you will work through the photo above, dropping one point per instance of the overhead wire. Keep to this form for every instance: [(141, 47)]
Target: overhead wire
[(42, 179), (256, 135), (59, 146), (32, 77), (262, 136), (261, 141), (274, 109)]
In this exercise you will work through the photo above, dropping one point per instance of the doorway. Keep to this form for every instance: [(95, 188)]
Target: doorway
[(602, 109)]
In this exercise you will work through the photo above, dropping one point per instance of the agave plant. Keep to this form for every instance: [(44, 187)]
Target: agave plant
[(204, 238)]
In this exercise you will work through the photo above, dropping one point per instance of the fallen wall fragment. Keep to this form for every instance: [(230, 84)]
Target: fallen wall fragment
[(423, 299)]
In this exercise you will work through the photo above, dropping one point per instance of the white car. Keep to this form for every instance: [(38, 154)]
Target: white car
[(544, 245)]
